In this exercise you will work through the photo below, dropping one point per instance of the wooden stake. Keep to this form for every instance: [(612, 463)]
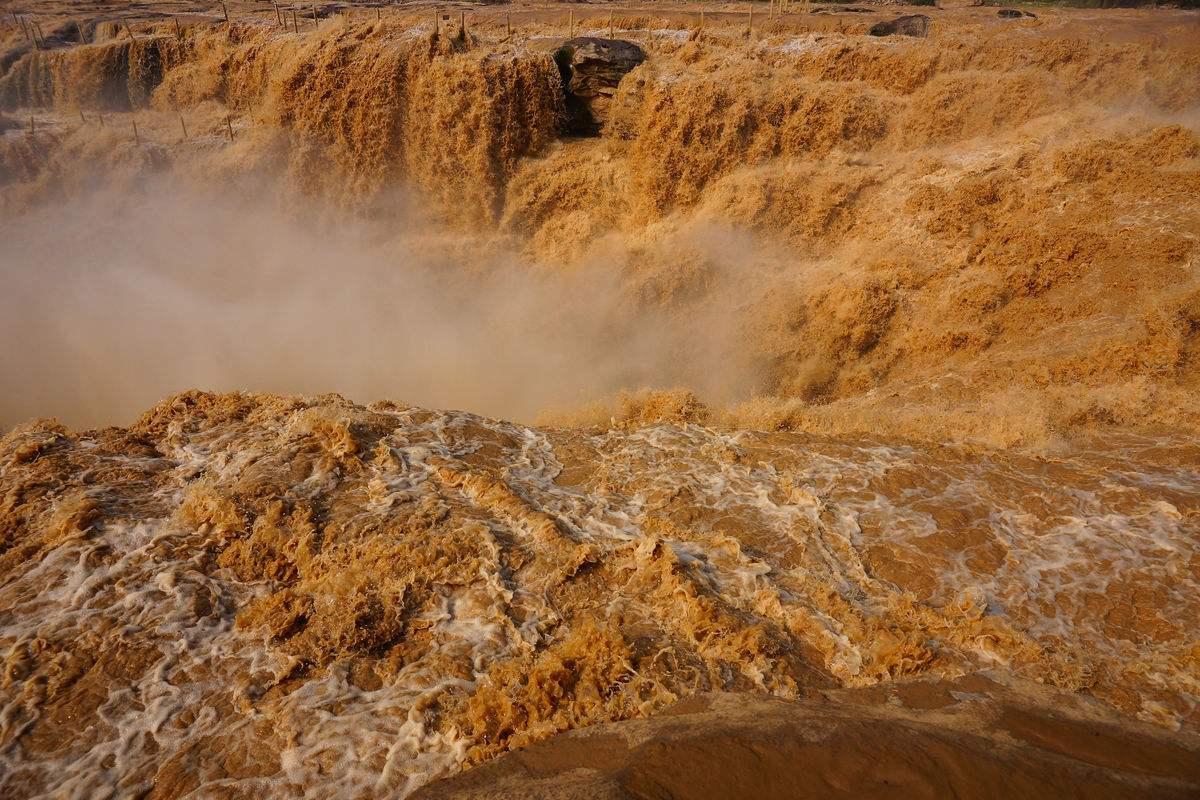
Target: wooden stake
[(508, 17), (278, 18), (750, 23), (24, 28), (229, 124), (178, 28), (128, 29), (225, 11), (82, 118), (295, 22), (701, 19), (38, 35), (315, 23), (437, 23), (79, 30), (32, 127), (182, 124), (137, 139), (378, 14), (462, 25), (610, 27)]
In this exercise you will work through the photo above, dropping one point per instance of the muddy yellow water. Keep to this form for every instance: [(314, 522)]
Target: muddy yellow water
[(254, 594), (834, 363)]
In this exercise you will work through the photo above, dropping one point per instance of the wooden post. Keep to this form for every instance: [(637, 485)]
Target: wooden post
[(610, 25), (295, 22), (509, 23), (182, 124), (750, 23), (437, 23), (229, 125), (278, 18), (79, 30), (128, 29), (315, 23), (178, 28), (571, 23), (82, 118), (701, 19), (378, 14), (225, 11), (137, 139), (32, 127)]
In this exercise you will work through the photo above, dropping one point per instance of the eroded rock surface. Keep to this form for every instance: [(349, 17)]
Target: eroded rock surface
[(592, 68), (910, 25), (969, 738)]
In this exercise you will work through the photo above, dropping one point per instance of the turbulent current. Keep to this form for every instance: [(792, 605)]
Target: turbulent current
[(851, 388), (261, 594)]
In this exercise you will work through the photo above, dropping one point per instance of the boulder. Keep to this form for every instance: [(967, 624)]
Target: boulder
[(911, 25), (591, 68)]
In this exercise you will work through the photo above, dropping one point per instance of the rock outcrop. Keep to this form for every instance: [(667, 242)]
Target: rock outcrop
[(911, 25), (968, 738), (591, 68)]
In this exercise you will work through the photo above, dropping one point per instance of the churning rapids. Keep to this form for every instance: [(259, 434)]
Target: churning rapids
[(259, 593), (857, 378)]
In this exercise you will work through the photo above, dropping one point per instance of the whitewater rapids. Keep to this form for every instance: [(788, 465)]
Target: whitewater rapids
[(266, 594)]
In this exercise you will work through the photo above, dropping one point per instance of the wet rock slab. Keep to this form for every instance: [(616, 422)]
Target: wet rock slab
[(968, 738)]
